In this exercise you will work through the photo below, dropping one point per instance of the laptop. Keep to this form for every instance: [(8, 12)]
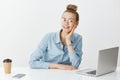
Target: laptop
[(107, 63)]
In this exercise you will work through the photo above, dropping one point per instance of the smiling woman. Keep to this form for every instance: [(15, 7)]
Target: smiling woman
[(61, 49), (23, 27)]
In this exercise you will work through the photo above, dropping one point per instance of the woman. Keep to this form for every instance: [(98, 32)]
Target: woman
[(62, 49)]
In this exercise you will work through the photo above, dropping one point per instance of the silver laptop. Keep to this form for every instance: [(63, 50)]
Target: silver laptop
[(107, 62)]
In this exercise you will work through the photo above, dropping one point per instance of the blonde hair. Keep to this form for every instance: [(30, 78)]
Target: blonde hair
[(73, 9)]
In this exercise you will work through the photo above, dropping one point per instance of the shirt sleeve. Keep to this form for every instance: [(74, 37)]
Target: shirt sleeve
[(37, 57), (76, 55)]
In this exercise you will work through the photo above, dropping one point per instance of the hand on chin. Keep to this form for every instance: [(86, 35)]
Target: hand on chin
[(66, 30)]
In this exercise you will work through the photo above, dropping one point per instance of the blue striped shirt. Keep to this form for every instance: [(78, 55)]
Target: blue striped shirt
[(51, 50)]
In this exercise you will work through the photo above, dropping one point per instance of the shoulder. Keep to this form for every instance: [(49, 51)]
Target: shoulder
[(50, 35), (77, 36)]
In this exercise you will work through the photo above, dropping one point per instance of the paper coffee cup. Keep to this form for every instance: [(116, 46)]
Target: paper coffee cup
[(7, 65)]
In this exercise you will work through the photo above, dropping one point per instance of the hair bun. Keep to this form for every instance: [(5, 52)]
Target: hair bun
[(72, 7)]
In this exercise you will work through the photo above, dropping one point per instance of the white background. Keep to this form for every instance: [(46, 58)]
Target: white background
[(23, 23)]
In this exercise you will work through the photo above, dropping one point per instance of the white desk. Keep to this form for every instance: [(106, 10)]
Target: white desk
[(55, 74)]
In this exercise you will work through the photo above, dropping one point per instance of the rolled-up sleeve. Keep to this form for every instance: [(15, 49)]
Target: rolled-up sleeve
[(37, 57), (76, 55)]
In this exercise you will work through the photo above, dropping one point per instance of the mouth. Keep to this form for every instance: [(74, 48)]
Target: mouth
[(66, 27)]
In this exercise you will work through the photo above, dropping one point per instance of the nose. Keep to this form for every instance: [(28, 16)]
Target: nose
[(66, 22)]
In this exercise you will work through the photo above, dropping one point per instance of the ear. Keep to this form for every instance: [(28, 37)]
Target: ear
[(76, 24)]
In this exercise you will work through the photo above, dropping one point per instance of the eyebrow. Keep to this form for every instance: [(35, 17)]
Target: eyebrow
[(68, 18)]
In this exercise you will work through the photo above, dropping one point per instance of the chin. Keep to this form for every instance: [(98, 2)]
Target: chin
[(66, 31)]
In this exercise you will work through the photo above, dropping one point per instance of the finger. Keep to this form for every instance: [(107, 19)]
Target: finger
[(72, 30)]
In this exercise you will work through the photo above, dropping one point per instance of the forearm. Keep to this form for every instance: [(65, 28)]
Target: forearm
[(69, 46), (72, 55), (61, 66), (53, 66)]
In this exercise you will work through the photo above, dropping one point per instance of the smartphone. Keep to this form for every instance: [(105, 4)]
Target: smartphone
[(18, 76)]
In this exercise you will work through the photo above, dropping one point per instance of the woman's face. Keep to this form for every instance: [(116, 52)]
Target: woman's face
[(68, 21)]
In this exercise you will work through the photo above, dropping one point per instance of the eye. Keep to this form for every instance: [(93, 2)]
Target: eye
[(63, 19), (70, 21)]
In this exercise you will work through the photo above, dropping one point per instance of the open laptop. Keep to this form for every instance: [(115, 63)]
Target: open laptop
[(107, 62)]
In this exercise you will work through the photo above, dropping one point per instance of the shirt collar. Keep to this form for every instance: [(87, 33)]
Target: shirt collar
[(58, 37)]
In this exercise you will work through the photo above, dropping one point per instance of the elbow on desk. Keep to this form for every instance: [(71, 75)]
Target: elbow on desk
[(31, 65), (76, 64), (76, 67)]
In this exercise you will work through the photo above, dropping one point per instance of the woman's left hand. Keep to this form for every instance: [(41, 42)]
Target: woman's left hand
[(69, 35)]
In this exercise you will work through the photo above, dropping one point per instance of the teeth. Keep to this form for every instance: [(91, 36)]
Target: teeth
[(66, 28)]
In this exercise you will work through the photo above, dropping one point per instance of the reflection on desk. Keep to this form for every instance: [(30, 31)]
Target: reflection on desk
[(55, 74)]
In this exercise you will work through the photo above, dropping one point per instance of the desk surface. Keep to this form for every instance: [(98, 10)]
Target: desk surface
[(55, 74)]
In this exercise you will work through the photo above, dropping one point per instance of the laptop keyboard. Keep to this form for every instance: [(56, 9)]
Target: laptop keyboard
[(92, 72)]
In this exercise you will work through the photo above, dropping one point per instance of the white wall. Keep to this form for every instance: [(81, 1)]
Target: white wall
[(24, 22), (100, 21)]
